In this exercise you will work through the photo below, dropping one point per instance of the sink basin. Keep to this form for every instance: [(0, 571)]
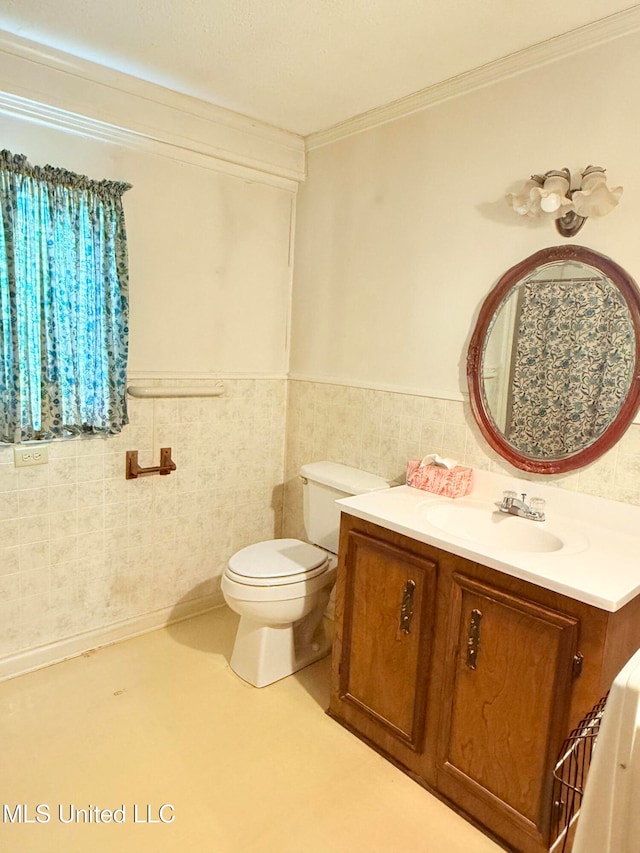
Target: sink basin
[(481, 523)]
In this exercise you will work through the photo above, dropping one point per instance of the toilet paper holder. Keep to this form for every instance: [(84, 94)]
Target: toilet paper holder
[(133, 469)]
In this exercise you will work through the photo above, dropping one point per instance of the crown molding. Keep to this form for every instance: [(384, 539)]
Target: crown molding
[(42, 114), (560, 47), (53, 87)]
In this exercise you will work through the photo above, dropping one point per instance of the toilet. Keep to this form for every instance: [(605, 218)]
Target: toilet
[(280, 588)]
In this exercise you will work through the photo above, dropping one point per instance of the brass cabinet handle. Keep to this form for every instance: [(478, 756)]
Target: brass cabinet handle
[(578, 660), (473, 640), (406, 609)]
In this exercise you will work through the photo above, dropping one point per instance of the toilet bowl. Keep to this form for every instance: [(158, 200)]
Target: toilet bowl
[(280, 588)]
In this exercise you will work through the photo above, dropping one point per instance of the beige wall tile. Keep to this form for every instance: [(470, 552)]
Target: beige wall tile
[(82, 547), (389, 437), (89, 547)]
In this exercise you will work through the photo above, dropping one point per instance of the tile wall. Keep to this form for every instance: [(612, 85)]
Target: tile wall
[(379, 430), (82, 548)]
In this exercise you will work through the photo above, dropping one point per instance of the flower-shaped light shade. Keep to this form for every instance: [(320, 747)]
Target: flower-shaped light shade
[(550, 195), (595, 198), (527, 201), (554, 198)]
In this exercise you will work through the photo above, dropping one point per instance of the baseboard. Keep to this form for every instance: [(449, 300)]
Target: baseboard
[(70, 647)]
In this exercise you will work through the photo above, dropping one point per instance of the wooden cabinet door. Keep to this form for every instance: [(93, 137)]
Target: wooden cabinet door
[(388, 617), (505, 704)]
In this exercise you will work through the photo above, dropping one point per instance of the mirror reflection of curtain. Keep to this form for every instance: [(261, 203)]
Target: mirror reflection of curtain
[(572, 365)]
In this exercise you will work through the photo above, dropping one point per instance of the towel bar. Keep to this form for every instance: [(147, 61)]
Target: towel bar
[(152, 391)]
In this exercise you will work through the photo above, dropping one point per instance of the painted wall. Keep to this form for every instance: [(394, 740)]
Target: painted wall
[(86, 556), (208, 255), (402, 230)]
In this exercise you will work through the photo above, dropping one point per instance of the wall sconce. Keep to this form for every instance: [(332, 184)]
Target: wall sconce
[(551, 195)]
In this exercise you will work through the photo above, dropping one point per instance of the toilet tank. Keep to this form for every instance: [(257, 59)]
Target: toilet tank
[(323, 484)]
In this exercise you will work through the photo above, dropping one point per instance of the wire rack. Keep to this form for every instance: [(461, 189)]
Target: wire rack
[(570, 776)]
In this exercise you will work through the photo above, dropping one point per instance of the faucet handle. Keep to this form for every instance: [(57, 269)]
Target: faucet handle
[(537, 505), (508, 498)]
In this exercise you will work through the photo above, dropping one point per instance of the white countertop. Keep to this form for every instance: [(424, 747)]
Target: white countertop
[(598, 564)]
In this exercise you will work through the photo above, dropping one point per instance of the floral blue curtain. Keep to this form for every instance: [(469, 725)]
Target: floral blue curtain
[(63, 303)]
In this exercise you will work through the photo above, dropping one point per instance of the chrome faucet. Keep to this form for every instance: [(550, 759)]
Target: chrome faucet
[(534, 510)]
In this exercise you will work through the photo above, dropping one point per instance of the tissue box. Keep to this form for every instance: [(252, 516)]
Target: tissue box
[(449, 482)]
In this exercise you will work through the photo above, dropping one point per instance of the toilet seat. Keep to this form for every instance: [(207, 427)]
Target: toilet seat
[(277, 562)]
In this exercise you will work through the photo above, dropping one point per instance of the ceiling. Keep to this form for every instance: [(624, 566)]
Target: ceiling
[(302, 65)]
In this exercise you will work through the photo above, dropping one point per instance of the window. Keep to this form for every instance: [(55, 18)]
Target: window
[(63, 303)]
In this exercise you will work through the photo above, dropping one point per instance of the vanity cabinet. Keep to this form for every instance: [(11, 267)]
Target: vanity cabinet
[(505, 702), (388, 606), (465, 677)]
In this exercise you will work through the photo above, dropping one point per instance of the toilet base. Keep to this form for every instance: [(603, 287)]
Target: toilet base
[(263, 654)]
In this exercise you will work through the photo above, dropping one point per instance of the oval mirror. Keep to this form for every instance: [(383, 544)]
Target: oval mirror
[(554, 361)]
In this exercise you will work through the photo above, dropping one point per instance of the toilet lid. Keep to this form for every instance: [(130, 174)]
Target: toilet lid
[(278, 561)]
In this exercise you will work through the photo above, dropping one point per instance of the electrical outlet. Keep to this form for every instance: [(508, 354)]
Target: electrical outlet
[(25, 456)]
